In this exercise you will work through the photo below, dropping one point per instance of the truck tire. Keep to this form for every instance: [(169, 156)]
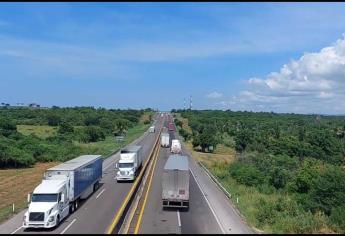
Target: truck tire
[(57, 221), (76, 205), (71, 208), (95, 186)]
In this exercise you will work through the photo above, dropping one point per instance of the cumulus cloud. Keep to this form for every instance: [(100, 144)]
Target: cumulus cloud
[(214, 95), (315, 83)]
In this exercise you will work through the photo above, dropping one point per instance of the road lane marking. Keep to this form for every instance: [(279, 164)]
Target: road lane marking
[(100, 193), (178, 218), (68, 226), (117, 216), (208, 203), (17, 230), (147, 193)]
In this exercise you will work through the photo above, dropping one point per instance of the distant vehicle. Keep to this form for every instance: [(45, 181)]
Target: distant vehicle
[(175, 146), (130, 162), (61, 189), (152, 129), (171, 126), (175, 182), (165, 139)]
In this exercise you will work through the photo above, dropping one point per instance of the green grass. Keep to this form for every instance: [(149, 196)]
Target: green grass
[(110, 145), (41, 131)]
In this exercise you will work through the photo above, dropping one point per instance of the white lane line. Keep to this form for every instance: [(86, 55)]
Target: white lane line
[(17, 230), (100, 193), (208, 203), (68, 226), (178, 218)]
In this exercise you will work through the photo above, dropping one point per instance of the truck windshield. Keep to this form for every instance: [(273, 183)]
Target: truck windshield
[(44, 197), (125, 165)]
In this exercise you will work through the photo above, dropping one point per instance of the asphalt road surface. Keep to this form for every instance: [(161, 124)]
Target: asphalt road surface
[(95, 214)]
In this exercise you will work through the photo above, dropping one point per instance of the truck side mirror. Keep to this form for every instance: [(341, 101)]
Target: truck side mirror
[(62, 198), (29, 198), (116, 165)]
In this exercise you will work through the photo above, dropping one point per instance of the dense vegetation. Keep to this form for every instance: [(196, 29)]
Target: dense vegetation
[(74, 125), (297, 160)]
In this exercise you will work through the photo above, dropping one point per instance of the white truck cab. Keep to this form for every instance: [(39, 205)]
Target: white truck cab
[(129, 163), (48, 205), (152, 129)]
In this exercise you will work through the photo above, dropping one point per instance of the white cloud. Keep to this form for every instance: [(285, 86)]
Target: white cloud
[(214, 95), (315, 83)]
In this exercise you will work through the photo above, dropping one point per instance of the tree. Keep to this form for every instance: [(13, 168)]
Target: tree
[(242, 139), (65, 127), (53, 119)]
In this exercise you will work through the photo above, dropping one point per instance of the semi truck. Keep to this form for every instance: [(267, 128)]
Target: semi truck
[(171, 126), (175, 182), (61, 189), (175, 146), (130, 162), (152, 129), (165, 139)]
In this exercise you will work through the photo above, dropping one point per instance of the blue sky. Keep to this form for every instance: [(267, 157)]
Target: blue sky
[(141, 55)]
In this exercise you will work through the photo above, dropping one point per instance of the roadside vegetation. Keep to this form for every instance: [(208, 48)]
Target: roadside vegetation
[(28, 135), (33, 140), (287, 170)]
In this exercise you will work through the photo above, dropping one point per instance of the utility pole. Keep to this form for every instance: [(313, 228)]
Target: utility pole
[(190, 102)]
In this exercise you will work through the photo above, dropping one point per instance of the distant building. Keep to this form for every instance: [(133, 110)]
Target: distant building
[(34, 105)]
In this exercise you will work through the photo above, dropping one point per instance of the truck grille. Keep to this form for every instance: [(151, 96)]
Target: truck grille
[(123, 172), (36, 216)]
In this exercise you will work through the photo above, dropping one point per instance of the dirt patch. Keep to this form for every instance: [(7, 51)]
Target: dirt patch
[(15, 184)]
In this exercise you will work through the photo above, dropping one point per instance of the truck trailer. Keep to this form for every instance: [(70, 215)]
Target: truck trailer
[(130, 162), (175, 146), (61, 189), (175, 182), (152, 129), (165, 139)]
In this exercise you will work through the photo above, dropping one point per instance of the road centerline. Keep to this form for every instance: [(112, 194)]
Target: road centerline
[(68, 226), (100, 193)]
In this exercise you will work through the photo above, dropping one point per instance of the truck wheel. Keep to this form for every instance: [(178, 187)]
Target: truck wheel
[(71, 208), (76, 205), (57, 220)]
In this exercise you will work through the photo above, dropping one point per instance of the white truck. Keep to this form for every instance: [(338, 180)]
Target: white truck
[(165, 139), (175, 182), (130, 162), (152, 129), (61, 189), (175, 146)]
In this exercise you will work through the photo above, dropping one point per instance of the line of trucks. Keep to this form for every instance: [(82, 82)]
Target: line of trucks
[(64, 185)]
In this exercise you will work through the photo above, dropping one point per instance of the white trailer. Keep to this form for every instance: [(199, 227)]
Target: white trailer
[(61, 189), (130, 162), (175, 146), (165, 139), (175, 182)]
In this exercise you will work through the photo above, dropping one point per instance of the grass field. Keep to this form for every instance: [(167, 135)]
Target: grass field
[(109, 145), (41, 131), (15, 184)]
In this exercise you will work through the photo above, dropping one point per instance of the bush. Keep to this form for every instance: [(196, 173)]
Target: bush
[(246, 174), (338, 217)]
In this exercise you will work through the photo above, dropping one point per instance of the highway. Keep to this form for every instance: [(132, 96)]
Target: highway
[(96, 213), (198, 219), (209, 212)]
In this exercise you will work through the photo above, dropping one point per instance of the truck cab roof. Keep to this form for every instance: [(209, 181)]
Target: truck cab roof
[(50, 186)]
